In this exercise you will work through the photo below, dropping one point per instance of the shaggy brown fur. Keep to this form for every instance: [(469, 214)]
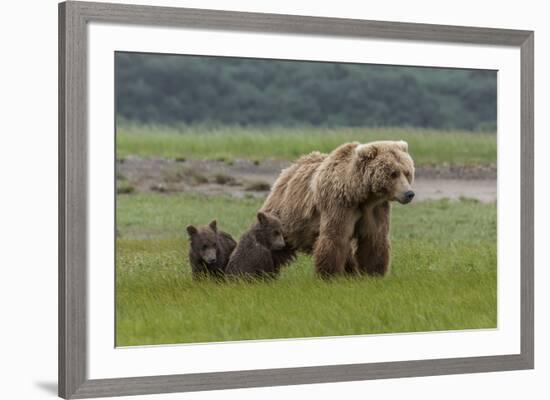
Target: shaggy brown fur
[(209, 251), (253, 257), (336, 205)]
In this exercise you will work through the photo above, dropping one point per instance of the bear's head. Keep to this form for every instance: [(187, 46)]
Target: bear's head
[(269, 231), (387, 169), (204, 241)]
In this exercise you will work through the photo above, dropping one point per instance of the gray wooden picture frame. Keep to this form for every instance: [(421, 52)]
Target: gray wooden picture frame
[(73, 173)]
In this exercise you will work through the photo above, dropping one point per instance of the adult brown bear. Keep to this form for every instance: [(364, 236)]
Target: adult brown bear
[(337, 205)]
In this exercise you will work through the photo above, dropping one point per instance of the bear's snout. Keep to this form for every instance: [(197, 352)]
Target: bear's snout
[(407, 197), (209, 256), (279, 243)]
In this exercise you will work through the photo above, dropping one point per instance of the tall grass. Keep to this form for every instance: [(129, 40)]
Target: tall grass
[(426, 146), (443, 277)]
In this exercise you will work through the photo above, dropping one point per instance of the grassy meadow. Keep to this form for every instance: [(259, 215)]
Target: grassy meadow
[(443, 274), (428, 147)]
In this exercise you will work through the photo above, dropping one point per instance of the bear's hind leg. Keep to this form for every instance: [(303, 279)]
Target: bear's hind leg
[(352, 266), (333, 246)]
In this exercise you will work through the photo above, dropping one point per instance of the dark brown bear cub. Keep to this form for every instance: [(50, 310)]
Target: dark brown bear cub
[(209, 251), (253, 257)]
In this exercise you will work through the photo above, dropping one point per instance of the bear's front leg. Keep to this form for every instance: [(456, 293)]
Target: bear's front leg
[(333, 245), (373, 240)]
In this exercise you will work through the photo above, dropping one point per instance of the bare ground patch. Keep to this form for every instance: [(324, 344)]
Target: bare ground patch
[(244, 178)]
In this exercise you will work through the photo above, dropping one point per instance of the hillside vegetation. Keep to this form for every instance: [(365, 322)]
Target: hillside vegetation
[(238, 91)]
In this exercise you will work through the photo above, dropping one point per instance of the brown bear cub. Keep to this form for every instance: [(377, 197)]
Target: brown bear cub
[(209, 250), (254, 255)]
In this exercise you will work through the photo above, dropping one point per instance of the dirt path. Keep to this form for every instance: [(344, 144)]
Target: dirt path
[(484, 190), (243, 178)]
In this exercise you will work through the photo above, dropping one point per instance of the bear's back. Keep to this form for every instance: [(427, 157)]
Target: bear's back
[(249, 257), (293, 183)]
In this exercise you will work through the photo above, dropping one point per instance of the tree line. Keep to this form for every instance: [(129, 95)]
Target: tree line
[(169, 89)]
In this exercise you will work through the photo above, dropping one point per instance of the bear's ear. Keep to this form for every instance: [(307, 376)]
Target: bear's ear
[(403, 145), (213, 225), (262, 218), (367, 151), (191, 230)]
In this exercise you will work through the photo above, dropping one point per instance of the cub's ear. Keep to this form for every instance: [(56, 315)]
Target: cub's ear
[(262, 218), (191, 230), (403, 145), (213, 225), (367, 151)]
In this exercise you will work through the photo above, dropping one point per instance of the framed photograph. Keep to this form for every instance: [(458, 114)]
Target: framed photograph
[(252, 200)]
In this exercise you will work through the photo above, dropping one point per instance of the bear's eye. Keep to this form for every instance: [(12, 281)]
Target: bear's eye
[(204, 246), (394, 174), (276, 233)]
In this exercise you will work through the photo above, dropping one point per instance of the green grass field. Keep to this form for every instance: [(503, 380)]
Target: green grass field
[(427, 147), (444, 274)]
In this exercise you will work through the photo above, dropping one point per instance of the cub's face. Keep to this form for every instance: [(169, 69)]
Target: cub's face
[(271, 230), (389, 170), (204, 241)]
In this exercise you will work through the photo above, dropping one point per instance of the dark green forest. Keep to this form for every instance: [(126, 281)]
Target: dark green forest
[(170, 89)]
